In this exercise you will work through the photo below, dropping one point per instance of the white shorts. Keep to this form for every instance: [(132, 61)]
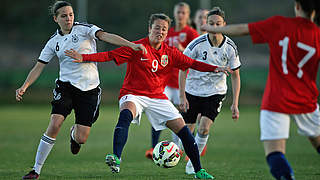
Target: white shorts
[(172, 94), (274, 125), (158, 111)]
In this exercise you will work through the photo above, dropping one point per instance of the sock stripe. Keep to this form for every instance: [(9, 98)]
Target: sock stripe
[(47, 139)]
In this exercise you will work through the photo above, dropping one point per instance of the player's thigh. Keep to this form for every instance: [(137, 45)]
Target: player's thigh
[(86, 106), (211, 106), (135, 104), (274, 125), (159, 111), (309, 123), (190, 117), (62, 99)]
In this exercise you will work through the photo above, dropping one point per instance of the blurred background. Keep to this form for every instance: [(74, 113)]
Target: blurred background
[(26, 26)]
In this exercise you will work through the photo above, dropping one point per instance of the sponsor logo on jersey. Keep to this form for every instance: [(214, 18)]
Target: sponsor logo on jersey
[(182, 37), (164, 60), (75, 38)]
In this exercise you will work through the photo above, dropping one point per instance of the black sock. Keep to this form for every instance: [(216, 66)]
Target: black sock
[(279, 166), (190, 147), (155, 137), (120, 135), (318, 149)]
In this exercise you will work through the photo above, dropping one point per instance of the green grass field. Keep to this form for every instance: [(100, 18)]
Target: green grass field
[(234, 150)]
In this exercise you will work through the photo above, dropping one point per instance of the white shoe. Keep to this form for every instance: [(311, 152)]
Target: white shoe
[(189, 169)]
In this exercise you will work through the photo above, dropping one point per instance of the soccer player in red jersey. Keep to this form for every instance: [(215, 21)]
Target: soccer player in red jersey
[(143, 88), (291, 90), (179, 36)]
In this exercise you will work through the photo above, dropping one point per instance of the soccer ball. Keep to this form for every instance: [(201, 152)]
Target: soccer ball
[(166, 154)]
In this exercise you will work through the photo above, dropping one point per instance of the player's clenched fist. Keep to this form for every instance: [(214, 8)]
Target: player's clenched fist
[(19, 93)]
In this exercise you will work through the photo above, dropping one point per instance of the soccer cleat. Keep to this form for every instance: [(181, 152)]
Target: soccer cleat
[(189, 169), (149, 153), (31, 175), (113, 162), (204, 151), (74, 146), (202, 174)]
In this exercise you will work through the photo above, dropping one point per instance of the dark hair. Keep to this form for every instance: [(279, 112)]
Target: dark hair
[(162, 16), (216, 11), (308, 6), (57, 5)]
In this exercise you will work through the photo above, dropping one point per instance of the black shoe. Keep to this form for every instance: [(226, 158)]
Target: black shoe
[(74, 146), (31, 175)]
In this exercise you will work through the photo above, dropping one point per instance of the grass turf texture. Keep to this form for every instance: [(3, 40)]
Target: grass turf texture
[(234, 150)]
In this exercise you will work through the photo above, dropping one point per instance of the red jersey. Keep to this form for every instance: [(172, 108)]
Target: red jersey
[(294, 45), (146, 74), (184, 37)]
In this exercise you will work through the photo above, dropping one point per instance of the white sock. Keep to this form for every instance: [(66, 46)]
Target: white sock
[(176, 140), (201, 141), (44, 148)]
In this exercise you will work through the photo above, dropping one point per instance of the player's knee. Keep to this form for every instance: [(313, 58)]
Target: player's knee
[(125, 118)]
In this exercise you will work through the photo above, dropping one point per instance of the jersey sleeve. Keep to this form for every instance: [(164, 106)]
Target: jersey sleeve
[(261, 31), (93, 30), (121, 55), (192, 53), (234, 60), (183, 62), (47, 53)]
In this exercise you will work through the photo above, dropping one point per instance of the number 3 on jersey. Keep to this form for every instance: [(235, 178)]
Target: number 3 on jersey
[(284, 44)]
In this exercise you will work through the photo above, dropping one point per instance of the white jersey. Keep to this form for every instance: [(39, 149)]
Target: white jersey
[(82, 38), (206, 84)]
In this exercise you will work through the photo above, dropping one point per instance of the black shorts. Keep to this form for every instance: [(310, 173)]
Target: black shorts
[(85, 103), (206, 106)]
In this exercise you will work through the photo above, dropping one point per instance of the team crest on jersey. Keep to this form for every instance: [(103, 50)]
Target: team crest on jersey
[(164, 60), (224, 59), (75, 38), (182, 37)]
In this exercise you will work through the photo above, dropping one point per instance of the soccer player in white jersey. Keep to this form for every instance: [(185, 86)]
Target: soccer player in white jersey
[(78, 84), (203, 92)]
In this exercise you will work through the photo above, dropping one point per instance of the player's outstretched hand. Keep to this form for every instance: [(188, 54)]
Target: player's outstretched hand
[(224, 69), (235, 112), (139, 47), (19, 93), (75, 55)]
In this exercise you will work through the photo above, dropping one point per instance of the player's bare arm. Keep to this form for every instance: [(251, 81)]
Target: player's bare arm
[(184, 104), (117, 40), (32, 76), (233, 30), (74, 55), (235, 81)]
